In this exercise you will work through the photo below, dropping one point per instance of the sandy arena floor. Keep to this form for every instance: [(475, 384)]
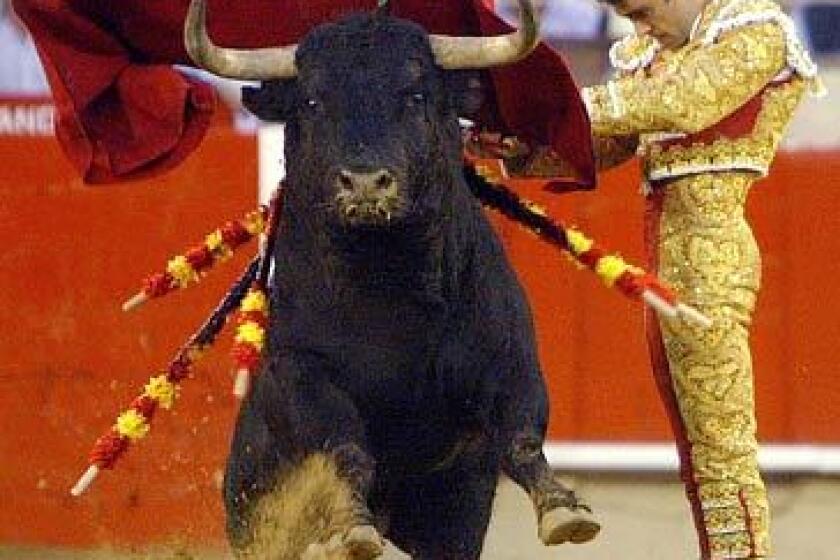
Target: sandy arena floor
[(644, 519)]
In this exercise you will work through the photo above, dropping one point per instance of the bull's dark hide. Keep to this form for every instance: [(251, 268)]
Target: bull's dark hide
[(400, 339)]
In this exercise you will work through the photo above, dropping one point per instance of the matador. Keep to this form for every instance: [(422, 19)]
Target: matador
[(705, 109)]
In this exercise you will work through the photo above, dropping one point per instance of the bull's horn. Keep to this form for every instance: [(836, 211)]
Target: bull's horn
[(454, 53), (250, 64)]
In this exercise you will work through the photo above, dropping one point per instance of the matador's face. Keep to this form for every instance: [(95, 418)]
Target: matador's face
[(668, 21)]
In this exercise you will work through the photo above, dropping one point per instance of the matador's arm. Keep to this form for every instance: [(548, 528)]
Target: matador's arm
[(708, 84)]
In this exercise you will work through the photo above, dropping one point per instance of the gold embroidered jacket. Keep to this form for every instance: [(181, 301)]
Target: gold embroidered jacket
[(721, 102)]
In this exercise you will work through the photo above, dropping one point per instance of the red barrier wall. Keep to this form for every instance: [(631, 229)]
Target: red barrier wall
[(70, 360)]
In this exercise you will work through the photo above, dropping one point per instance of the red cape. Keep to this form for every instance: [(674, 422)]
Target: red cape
[(123, 111)]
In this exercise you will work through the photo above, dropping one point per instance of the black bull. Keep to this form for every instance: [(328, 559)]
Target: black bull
[(400, 342)]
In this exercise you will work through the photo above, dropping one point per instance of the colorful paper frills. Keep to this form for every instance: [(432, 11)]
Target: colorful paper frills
[(251, 322), (162, 390), (252, 318), (486, 182), (184, 270)]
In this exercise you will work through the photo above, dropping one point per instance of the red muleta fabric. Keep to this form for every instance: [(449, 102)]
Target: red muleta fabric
[(124, 112)]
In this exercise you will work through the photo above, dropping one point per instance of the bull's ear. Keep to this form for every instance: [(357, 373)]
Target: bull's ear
[(271, 101), (465, 91)]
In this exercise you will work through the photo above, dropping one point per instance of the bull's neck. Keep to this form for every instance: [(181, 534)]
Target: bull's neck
[(389, 259)]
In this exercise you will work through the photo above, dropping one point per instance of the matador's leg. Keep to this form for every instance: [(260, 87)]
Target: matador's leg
[(706, 251)]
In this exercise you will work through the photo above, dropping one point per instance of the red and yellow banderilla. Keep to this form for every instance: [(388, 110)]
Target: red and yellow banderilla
[(487, 185), (249, 292)]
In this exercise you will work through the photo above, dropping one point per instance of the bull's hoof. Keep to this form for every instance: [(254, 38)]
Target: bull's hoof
[(363, 542), (561, 525)]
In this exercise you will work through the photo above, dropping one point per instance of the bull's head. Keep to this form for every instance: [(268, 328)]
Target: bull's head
[(371, 106)]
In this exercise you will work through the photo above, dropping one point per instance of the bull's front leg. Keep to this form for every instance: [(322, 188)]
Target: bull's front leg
[(561, 515), (299, 466)]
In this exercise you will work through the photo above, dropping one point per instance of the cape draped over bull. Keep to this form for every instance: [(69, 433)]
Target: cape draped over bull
[(124, 112)]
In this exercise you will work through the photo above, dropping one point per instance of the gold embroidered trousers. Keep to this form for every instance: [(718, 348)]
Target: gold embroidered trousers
[(700, 242)]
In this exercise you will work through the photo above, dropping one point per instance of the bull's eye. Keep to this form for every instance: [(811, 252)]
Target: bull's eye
[(311, 103), (416, 99)]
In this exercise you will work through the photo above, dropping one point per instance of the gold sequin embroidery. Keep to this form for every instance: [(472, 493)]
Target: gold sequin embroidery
[(708, 253)]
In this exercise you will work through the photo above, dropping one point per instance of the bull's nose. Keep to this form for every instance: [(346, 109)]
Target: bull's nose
[(367, 197), (372, 182)]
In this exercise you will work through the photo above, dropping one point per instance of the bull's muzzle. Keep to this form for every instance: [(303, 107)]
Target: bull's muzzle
[(367, 198)]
